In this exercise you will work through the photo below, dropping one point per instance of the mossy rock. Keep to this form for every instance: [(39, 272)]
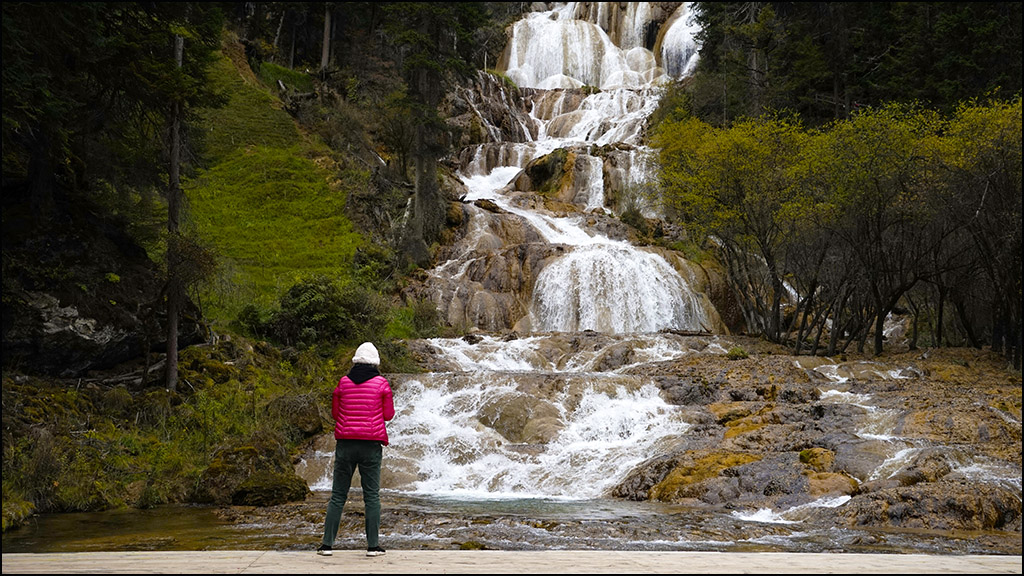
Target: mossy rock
[(821, 484), (234, 466), (819, 459), (685, 479), (725, 412), (299, 415), (205, 364), (742, 427), (547, 174), (267, 488), (455, 214)]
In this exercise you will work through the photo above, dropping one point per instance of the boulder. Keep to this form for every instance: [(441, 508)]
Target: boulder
[(256, 471), (268, 488)]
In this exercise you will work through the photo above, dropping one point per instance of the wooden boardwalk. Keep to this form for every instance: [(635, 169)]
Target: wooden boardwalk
[(502, 562)]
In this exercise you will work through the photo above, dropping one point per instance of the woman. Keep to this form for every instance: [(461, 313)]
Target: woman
[(362, 405)]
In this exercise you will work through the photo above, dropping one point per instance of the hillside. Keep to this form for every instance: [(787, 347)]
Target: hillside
[(270, 200)]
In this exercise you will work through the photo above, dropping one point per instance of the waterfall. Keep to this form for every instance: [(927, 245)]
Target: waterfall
[(540, 416), (554, 412), (597, 283), (613, 289), (573, 379)]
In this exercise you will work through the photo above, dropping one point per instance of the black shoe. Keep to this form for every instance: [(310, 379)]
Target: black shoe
[(324, 550), (375, 551)]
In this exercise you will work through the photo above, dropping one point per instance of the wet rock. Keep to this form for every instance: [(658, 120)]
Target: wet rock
[(818, 459), (637, 486), (945, 505), (614, 357), (804, 445), (259, 469), (821, 484), (488, 110), (701, 474), (522, 418), (683, 392), (266, 488)]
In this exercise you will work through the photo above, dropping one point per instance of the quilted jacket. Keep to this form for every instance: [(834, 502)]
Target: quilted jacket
[(361, 410)]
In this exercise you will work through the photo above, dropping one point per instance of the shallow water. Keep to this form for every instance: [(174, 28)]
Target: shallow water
[(435, 523)]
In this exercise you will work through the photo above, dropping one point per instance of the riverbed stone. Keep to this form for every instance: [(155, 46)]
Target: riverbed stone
[(269, 488)]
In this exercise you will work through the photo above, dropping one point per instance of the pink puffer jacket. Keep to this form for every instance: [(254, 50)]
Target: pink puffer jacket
[(360, 410)]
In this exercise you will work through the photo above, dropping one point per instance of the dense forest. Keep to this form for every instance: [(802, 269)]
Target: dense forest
[(256, 161), (863, 155)]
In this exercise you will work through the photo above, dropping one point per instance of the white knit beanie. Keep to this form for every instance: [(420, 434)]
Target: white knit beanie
[(366, 354)]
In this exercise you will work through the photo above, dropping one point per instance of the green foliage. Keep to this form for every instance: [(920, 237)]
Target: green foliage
[(417, 319), (825, 60), (632, 216), (271, 73), (16, 508), (853, 217), (265, 205), (270, 215), (320, 310), (87, 87), (736, 353), (251, 117), (437, 37), (97, 447)]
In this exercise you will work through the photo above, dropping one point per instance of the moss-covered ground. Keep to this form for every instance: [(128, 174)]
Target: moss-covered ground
[(268, 199)]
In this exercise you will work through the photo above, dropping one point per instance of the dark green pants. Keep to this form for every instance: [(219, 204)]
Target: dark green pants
[(348, 454)]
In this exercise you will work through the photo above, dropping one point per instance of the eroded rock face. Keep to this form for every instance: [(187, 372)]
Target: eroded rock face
[(489, 110), (82, 296), (948, 504)]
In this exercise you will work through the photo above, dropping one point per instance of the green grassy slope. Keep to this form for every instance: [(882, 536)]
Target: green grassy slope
[(268, 202)]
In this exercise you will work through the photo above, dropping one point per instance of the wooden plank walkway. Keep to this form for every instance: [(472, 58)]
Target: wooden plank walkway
[(503, 562)]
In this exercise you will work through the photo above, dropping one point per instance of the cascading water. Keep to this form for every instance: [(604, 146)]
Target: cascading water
[(596, 282), (461, 431)]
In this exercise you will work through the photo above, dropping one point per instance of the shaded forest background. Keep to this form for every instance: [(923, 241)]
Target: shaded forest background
[(866, 154)]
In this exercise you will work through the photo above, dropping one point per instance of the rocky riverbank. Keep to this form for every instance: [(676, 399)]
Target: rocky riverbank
[(915, 451), (918, 440)]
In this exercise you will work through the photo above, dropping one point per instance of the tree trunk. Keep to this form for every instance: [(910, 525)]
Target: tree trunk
[(174, 291), (325, 49), (880, 331), (958, 304), (277, 36), (41, 175)]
